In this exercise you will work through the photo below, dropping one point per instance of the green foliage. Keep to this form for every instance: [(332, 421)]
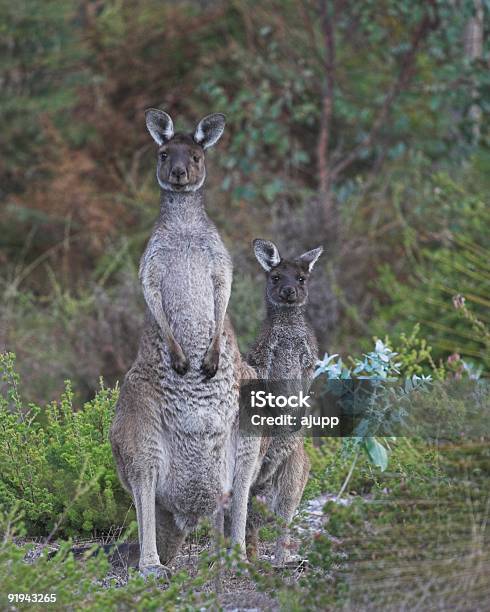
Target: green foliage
[(61, 457), (272, 84), (266, 145), (411, 234), (414, 355), (418, 515), (445, 238), (427, 507), (377, 453), (81, 334), (328, 462), (85, 584), (57, 465), (37, 41), (381, 366)]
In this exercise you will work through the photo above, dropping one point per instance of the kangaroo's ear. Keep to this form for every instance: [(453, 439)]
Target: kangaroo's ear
[(309, 258), (209, 130), (159, 124), (266, 253)]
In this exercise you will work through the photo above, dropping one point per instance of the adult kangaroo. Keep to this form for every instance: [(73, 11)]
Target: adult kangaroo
[(174, 431)]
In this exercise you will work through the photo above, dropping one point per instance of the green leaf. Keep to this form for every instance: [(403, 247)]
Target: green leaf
[(376, 453)]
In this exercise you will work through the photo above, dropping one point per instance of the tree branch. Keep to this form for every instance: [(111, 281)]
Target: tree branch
[(405, 75), (323, 145)]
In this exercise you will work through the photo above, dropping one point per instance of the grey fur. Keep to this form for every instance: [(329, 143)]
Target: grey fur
[(266, 253), (174, 433), (285, 350), (159, 124), (209, 130)]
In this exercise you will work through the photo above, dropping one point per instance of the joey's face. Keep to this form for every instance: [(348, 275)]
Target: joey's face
[(180, 165), (287, 284), (287, 279)]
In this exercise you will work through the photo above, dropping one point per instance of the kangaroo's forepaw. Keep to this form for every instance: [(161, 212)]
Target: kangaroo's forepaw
[(160, 572), (210, 363), (180, 363)]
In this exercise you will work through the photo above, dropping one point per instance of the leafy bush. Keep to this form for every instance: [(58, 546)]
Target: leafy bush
[(78, 333), (422, 523), (381, 366), (444, 219), (57, 465), (85, 584)]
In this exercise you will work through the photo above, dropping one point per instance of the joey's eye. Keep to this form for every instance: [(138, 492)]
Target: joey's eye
[(196, 158), (163, 155), (275, 278), (301, 279)]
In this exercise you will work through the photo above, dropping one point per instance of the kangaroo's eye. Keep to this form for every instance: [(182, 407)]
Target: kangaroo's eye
[(163, 156), (196, 158), (275, 278), (301, 279)]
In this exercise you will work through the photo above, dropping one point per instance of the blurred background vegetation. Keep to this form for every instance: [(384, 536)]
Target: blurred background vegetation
[(359, 125)]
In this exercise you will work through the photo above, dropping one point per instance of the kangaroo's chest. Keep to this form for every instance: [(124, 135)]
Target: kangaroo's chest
[(288, 355), (189, 248), (190, 261), (187, 282)]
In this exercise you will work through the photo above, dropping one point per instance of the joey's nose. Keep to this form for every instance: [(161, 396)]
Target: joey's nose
[(288, 293)]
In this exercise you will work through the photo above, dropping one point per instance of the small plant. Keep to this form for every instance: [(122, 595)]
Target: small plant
[(57, 464), (395, 378), (378, 365), (86, 584), (414, 355)]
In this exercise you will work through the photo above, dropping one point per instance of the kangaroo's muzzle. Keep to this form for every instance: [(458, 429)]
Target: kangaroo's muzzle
[(288, 294)]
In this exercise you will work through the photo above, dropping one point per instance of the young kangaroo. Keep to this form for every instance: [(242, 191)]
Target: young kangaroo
[(173, 431), (285, 350)]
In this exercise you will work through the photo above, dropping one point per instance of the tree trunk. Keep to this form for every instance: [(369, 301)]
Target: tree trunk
[(473, 50)]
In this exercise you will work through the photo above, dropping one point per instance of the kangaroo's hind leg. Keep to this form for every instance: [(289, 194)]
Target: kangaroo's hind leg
[(168, 536), (143, 490), (290, 484), (260, 503), (136, 443), (245, 467)]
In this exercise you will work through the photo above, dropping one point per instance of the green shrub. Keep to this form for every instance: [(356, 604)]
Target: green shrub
[(85, 584), (418, 379), (57, 465), (444, 219)]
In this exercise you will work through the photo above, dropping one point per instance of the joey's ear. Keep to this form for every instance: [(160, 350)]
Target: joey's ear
[(208, 130), (266, 253), (309, 258), (159, 124)]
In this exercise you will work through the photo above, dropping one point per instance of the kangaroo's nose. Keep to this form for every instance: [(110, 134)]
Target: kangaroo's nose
[(178, 172), (288, 293)]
